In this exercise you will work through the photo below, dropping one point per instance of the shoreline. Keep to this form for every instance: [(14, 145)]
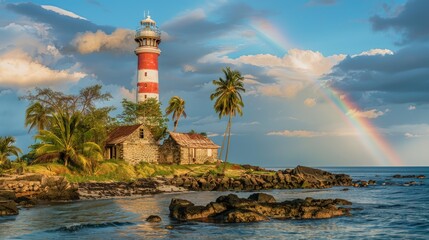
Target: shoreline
[(28, 190)]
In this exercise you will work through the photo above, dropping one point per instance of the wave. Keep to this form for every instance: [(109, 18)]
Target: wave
[(78, 227)]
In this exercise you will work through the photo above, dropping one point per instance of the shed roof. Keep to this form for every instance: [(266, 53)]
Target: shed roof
[(193, 140), (120, 134)]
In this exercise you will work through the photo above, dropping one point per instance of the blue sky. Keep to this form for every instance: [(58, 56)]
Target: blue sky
[(290, 52)]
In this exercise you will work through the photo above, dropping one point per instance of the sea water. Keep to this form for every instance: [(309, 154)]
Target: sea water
[(393, 210)]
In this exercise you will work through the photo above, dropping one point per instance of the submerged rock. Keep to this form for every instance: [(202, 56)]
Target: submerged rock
[(8, 208), (153, 218), (258, 207), (409, 176)]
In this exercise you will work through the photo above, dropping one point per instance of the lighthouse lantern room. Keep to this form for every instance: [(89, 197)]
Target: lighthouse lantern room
[(148, 37)]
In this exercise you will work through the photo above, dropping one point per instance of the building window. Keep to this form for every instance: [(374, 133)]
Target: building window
[(141, 133), (145, 85), (209, 152)]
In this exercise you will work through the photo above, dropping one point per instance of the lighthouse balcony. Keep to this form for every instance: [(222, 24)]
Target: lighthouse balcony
[(148, 32)]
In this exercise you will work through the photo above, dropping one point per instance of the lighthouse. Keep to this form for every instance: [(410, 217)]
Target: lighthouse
[(148, 37)]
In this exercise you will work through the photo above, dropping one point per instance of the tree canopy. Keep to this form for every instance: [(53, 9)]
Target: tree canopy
[(147, 112)]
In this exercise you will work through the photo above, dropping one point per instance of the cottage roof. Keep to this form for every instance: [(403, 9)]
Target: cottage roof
[(120, 134), (192, 140)]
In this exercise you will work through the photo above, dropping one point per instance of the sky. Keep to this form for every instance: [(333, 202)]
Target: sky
[(328, 82)]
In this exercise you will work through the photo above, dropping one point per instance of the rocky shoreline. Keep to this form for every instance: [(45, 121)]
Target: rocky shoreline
[(257, 207), (29, 189), (299, 177)]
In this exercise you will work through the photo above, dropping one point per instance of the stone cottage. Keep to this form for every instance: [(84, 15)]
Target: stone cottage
[(132, 143), (188, 148)]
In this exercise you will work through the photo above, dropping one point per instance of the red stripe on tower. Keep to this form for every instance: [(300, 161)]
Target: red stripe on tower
[(148, 61), (149, 87), (148, 37)]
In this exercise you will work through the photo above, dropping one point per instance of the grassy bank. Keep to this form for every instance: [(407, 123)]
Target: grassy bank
[(118, 170)]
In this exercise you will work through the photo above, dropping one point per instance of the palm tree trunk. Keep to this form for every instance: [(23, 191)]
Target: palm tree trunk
[(223, 141), (227, 145)]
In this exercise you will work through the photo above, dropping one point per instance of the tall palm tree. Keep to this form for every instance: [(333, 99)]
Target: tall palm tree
[(228, 101), (38, 116), (176, 105), (61, 143), (8, 149)]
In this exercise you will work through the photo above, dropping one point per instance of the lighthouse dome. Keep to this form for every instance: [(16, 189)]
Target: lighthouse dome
[(148, 21)]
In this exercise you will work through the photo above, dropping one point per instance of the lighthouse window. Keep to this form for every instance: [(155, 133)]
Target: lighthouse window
[(145, 85), (141, 133), (145, 96), (144, 41), (145, 74)]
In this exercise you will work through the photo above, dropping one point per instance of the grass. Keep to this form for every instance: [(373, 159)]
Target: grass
[(119, 170)]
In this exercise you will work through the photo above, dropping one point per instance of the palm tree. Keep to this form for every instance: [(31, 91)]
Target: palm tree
[(38, 116), (176, 105), (61, 143), (8, 149), (228, 101)]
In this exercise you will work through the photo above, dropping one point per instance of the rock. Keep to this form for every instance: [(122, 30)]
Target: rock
[(262, 198), (241, 216), (409, 176), (372, 182), (258, 207), (57, 188), (8, 208), (169, 227), (233, 201), (7, 195), (340, 201), (25, 202), (153, 218)]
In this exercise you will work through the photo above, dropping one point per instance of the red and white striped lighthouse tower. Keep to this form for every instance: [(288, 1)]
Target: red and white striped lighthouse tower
[(148, 37)]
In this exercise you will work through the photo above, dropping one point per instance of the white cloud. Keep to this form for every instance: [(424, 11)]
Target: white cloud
[(408, 130), (373, 113), (210, 134), (376, 51), (129, 95), (310, 102), (119, 40), (412, 107), (292, 72), (189, 68), (309, 134), (62, 12), (411, 135), (18, 69)]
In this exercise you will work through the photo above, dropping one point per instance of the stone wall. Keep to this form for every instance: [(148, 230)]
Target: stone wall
[(169, 152), (39, 187), (138, 152), (200, 155), (135, 149)]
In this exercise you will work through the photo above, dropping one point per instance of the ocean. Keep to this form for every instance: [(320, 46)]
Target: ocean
[(393, 210)]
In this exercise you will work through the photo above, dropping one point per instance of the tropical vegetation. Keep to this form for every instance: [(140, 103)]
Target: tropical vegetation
[(176, 106), (62, 144), (8, 149), (71, 128)]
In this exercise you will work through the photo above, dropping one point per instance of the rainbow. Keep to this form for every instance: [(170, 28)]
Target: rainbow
[(373, 141)]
